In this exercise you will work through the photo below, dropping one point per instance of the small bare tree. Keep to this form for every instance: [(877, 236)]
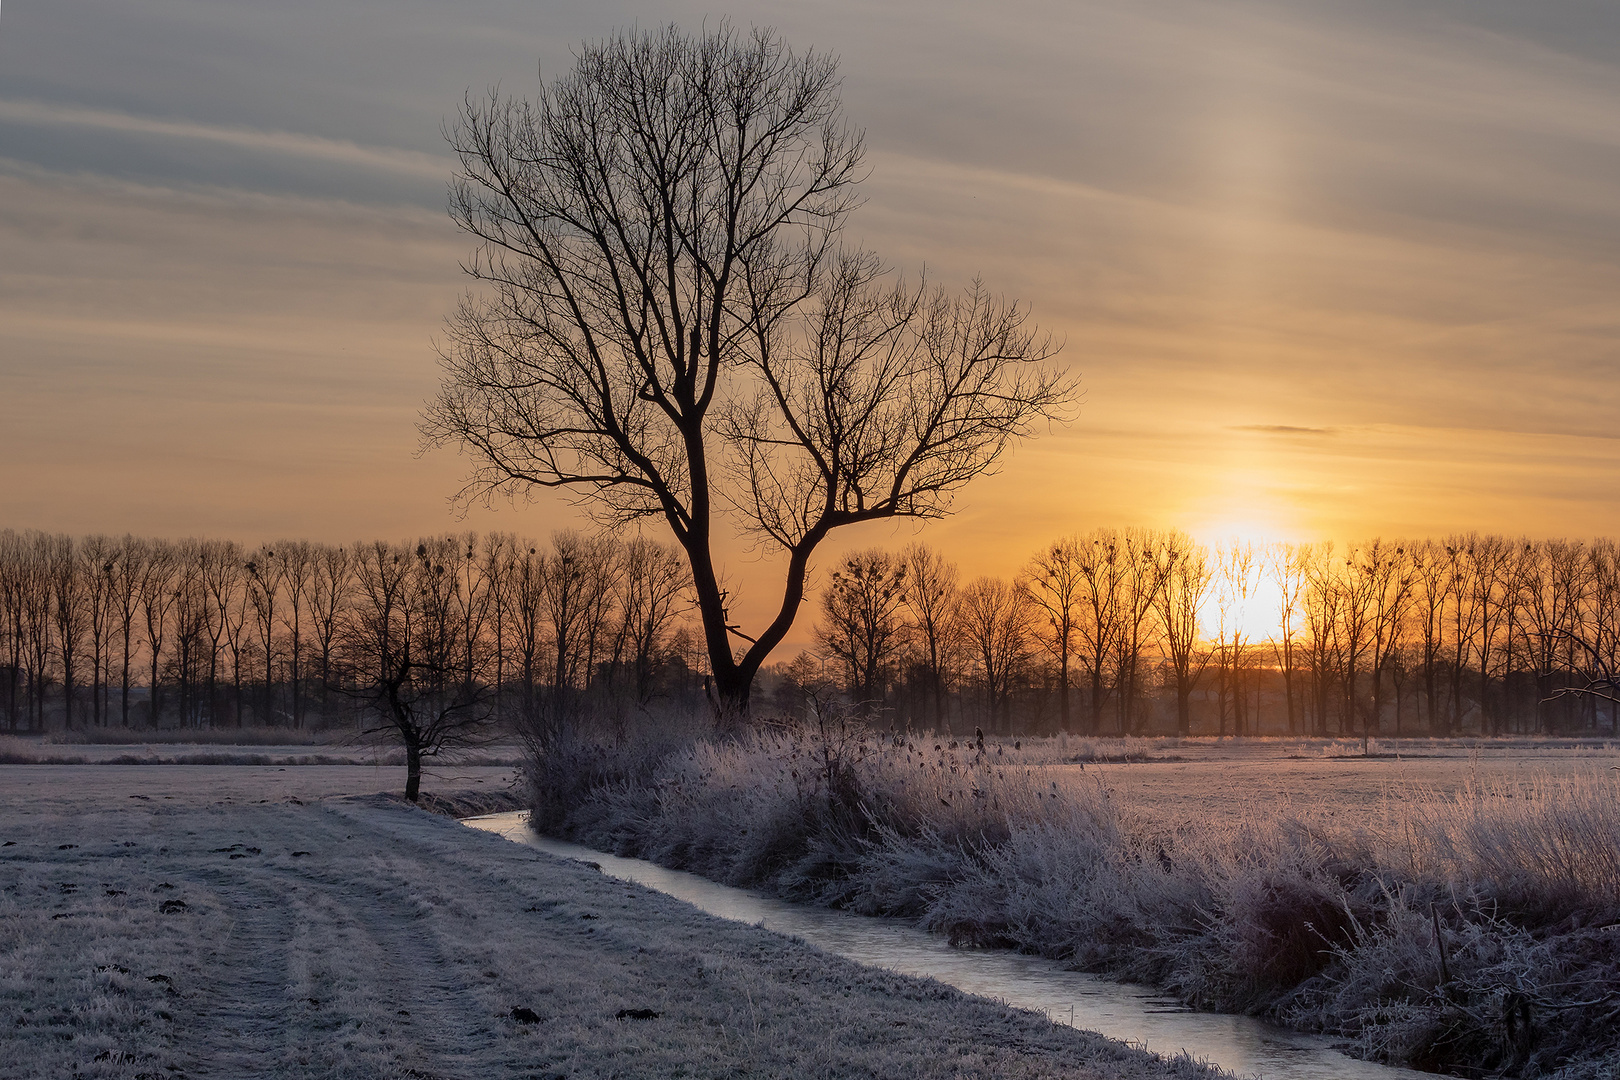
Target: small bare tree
[(96, 568), (861, 622), (1187, 581), (330, 595), (405, 647), (1054, 584), (1287, 566), (933, 601), (159, 576), (672, 330), (995, 628), (650, 586)]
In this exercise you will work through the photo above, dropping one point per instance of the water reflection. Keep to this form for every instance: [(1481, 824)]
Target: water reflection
[(1237, 1043)]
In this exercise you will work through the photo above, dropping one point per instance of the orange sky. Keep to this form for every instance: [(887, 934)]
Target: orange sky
[(1326, 270)]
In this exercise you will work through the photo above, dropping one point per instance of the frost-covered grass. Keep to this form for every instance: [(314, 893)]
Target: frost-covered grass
[(210, 749), (242, 736), (1474, 928), (228, 928)]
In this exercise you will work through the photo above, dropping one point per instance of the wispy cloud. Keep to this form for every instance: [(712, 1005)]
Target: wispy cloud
[(315, 147), (1284, 429)]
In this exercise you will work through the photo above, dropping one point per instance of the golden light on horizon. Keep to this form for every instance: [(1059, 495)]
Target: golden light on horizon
[(1247, 504)]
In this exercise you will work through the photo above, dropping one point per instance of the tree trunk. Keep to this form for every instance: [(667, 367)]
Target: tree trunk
[(413, 769), (1063, 694), (730, 699)]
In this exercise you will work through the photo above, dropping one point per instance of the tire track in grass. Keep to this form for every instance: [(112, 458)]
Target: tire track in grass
[(333, 965), (241, 1023), (388, 984)]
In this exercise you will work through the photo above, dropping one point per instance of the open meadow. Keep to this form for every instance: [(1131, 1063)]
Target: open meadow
[(301, 921), (1193, 779)]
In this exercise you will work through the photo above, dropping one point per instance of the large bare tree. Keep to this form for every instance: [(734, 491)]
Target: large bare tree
[(670, 327)]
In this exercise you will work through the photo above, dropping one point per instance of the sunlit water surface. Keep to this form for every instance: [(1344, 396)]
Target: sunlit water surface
[(1237, 1043)]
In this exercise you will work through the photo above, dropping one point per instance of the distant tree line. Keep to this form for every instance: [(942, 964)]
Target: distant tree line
[(1143, 632), (1114, 632), (451, 632)]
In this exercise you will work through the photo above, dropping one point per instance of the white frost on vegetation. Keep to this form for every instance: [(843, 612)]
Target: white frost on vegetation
[(1447, 913)]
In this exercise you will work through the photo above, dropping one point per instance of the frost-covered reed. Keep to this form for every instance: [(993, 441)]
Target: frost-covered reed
[(1476, 932)]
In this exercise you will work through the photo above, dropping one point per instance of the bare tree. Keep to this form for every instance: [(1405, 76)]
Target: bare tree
[(599, 572), (298, 559), (529, 576), (95, 567), (1492, 558), (33, 583), (68, 611), (405, 649), (11, 621), (1235, 582), (128, 571), (330, 594), (861, 622), (1358, 601), (1103, 583), (1289, 572), (264, 586), (651, 585), (1391, 579), (996, 632), (192, 612), (495, 568), (575, 590), (1142, 575), (931, 597), (1323, 602), (222, 584), (1463, 600), (673, 331), (1180, 602), (156, 589), (1054, 583), (1430, 566)]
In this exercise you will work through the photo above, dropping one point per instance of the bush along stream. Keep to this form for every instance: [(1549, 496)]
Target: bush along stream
[(1475, 935)]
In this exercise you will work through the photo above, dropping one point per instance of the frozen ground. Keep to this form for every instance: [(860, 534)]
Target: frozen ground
[(1233, 776), (170, 921)]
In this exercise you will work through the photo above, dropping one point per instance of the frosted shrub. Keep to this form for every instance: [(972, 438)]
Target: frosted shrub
[(1454, 933)]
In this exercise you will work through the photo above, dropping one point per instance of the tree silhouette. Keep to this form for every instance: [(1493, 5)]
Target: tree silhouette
[(671, 329)]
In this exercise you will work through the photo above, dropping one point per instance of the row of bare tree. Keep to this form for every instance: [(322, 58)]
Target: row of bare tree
[(99, 630), (1117, 631), (1135, 631)]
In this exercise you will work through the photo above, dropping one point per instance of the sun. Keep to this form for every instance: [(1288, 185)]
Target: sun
[(1245, 597)]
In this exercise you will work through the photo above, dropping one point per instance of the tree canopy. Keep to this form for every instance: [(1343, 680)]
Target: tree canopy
[(669, 326)]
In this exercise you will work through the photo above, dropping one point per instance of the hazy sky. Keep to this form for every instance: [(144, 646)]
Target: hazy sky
[(1328, 269)]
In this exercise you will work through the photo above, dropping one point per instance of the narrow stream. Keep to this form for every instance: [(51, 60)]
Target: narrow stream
[(1120, 1011)]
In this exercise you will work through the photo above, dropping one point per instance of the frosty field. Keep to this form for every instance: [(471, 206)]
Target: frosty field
[(170, 921), (1189, 779)]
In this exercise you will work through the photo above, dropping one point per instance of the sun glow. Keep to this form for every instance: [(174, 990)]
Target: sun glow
[(1245, 600)]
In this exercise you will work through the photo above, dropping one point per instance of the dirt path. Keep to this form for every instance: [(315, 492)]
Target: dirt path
[(355, 938)]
